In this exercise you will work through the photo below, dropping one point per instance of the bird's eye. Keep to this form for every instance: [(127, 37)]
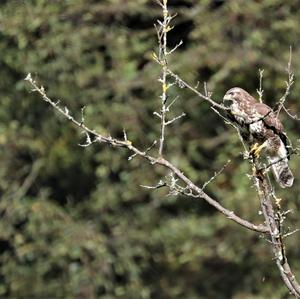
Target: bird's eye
[(231, 93)]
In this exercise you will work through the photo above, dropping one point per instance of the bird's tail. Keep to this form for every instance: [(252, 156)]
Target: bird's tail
[(282, 172)]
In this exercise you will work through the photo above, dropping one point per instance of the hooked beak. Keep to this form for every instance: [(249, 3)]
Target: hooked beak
[(227, 97)]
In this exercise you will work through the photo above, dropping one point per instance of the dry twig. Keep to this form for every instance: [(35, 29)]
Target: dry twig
[(260, 91), (274, 222)]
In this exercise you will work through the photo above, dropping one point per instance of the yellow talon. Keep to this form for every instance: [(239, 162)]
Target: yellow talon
[(253, 149), (256, 149)]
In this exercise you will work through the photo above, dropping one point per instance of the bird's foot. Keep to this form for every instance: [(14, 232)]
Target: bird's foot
[(256, 150)]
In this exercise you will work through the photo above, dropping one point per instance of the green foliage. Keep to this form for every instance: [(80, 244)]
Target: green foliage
[(75, 222)]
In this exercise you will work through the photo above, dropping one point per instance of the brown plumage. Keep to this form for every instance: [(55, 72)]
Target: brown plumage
[(258, 124)]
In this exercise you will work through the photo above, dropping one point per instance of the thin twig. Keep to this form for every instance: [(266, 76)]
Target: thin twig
[(217, 173), (260, 91), (183, 84), (163, 52), (291, 233), (174, 119), (295, 117), (260, 118), (227, 121), (277, 161), (175, 48), (160, 184), (289, 83), (170, 105)]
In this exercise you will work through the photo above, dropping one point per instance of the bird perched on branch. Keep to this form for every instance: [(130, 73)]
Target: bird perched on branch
[(261, 129)]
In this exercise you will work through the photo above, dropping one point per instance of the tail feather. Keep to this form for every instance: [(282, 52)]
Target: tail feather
[(282, 172)]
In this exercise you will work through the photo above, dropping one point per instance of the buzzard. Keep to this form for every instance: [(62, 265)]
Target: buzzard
[(260, 128)]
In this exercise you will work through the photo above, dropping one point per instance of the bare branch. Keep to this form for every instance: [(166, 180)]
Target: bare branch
[(289, 83), (206, 92), (259, 118), (163, 52), (181, 83), (88, 140), (279, 160), (260, 91), (227, 121), (160, 184), (175, 118), (82, 114), (175, 48), (295, 117), (274, 222), (159, 3), (145, 152), (157, 114), (229, 214), (217, 173), (153, 160), (169, 106), (65, 112), (291, 233)]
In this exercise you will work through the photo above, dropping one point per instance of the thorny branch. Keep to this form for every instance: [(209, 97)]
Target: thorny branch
[(289, 83), (171, 182), (260, 91), (274, 221), (183, 84), (217, 173), (162, 30), (97, 137)]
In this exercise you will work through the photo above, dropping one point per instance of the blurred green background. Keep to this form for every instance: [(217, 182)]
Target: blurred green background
[(75, 222)]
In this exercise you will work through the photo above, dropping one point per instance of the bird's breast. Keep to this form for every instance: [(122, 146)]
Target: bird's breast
[(238, 113), (257, 127)]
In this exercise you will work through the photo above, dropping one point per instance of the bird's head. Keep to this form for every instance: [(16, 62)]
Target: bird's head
[(236, 95), (233, 95)]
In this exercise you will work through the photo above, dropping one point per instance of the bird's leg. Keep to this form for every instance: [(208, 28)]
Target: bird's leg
[(256, 149), (253, 148)]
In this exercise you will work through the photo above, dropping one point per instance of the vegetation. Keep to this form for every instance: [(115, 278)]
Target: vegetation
[(75, 222)]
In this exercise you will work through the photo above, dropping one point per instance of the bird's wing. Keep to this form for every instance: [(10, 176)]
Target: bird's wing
[(269, 118), (272, 122)]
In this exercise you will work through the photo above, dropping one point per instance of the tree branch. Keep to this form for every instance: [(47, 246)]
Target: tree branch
[(181, 83), (260, 91), (274, 222), (96, 137), (289, 83)]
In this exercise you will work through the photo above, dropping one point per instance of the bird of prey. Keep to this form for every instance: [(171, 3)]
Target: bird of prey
[(260, 128)]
